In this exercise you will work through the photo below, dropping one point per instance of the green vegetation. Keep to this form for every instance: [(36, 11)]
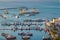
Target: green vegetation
[(56, 39), (54, 30)]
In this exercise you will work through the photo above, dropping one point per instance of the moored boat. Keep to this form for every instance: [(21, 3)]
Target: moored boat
[(25, 34), (8, 37)]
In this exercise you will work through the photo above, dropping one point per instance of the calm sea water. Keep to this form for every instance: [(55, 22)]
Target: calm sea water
[(47, 11)]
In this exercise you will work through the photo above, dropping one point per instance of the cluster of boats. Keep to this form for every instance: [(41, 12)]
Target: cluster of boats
[(20, 23), (22, 11), (20, 28), (24, 35), (4, 16), (28, 22), (34, 20)]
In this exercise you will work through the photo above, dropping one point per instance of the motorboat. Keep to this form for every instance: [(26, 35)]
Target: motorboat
[(25, 34)]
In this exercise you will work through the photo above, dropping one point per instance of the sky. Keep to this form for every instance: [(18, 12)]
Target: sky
[(12, 2), (29, 0)]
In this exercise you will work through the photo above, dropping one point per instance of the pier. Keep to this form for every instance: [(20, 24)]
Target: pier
[(21, 23), (29, 28)]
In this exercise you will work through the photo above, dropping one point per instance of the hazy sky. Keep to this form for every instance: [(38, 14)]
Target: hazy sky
[(27, 0)]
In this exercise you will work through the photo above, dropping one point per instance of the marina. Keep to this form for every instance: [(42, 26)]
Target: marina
[(31, 20), (20, 23)]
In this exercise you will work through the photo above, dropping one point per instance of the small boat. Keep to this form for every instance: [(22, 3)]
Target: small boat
[(25, 34), (6, 24), (20, 33), (38, 28), (8, 37), (16, 16), (5, 11), (16, 23), (27, 15), (2, 16), (30, 15), (46, 38), (25, 37), (41, 24)]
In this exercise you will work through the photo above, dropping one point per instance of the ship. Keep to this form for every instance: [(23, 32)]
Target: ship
[(29, 11)]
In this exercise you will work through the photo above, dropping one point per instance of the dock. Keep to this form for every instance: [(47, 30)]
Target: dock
[(20, 23), (20, 28)]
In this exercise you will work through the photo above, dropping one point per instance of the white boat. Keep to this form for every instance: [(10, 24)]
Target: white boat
[(5, 11)]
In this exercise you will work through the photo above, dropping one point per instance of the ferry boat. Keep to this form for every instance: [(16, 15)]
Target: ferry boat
[(29, 11)]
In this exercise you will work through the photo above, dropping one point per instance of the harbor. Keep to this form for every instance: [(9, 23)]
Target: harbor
[(31, 20), (23, 29)]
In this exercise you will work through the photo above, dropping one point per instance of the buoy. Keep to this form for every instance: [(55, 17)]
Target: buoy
[(16, 16)]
